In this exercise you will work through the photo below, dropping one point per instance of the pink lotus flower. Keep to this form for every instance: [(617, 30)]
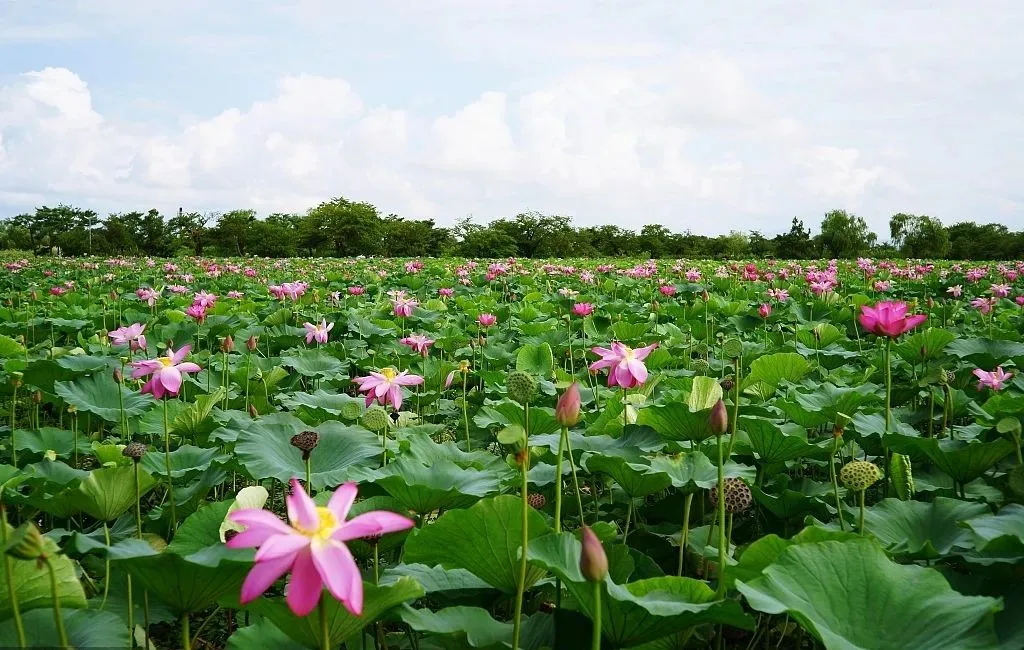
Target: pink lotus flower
[(356, 291), (166, 372), (235, 295), (319, 332), (984, 305), (198, 312), (626, 365), (486, 319), (582, 309), (386, 386), (204, 299), (131, 336), (147, 295), (956, 290), (994, 379), (420, 343), (1000, 290), (403, 306), (889, 318), (463, 368), (446, 292), (312, 548), (667, 290), (765, 310)]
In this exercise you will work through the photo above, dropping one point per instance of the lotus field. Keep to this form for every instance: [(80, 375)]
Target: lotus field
[(381, 453)]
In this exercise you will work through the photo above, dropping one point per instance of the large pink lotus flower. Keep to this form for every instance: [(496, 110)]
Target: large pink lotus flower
[(486, 319), (132, 336), (196, 311), (994, 379), (420, 343), (166, 372), (626, 365), (583, 309), (318, 333), (889, 318), (403, 306), (386, 386), (312, 548)]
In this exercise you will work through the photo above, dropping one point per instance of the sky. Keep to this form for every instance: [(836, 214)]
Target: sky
[(699, 115)]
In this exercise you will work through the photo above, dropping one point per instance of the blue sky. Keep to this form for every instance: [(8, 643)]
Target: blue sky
[(700, 115)]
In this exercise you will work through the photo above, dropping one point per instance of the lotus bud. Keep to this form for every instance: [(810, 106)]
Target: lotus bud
[(37, 397), (118, 376), (719, 418), (567, 410), (253, 413), (593, 561), (227, 344), (705, 296), (251, 342)]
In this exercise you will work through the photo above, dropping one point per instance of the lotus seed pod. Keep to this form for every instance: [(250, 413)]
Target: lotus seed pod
[(737, 495), (376, 419), (536, 500), (134, 450), (950, 376), (700, 366), (701, 348), (727, 384), (732, 348), (902, 476), (521, 386), (306, 442), (859, 475), (351, 410)]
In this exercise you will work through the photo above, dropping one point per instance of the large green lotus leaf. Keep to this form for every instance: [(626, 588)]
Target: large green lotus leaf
[(424, 489), (635, 479), (637, 612), (32, 582), (963, 461), (917, 530), (483, 539), (767, 372), (632, 445), (675, 421), (185, 460), (262, 635), (109, 492), (987, 353), (932, 341), (851, 596), (705, 392), (812, 409), (85, 363), (85, 628), (690, 471), (536, 359), (314, 363), (192, 420), (507, 413), (436, 579), (466, 626), (9, 348), (773, 445), (416, 443), (377, 600), (322, 401), (1002, 533), (763, 552), (60, 441), (790, 504), (265, 450), (97, 394)]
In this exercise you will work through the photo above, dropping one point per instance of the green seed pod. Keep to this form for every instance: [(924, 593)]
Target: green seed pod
[(521, 386), (376, 419), (351, 410), (732, 348), (701, 348), (902, 476), (700, 366), (859, 475)]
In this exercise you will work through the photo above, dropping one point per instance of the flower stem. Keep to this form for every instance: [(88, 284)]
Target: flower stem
[(861, 499), (595, 635), (465, 412), (325, 629), (14, 443), (106, 579), (521, 586), (835, 483), (12, 595), (62, 635), (186, 632), (720, 591), (684, 537), (572, 466), (167, 465), (558, 481)]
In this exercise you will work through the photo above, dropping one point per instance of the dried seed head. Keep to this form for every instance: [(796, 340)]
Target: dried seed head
[(134, 450), (306, 442)]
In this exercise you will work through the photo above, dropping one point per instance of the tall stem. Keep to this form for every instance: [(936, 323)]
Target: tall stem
[(62, 635), (595, 636), (465, 411), (167, 466), (12, 595), (684, 537), (186, 632), (861, 499), (325, 629), (521, 585), (106, 579), (558, 480), (835, 483), (14, 443), (720, 591), (572, 466)]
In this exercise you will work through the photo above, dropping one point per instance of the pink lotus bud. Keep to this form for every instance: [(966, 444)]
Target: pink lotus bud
[(719, 418), (118, 376), (593, 561), (567, 410), (227, 344), (250, 343)]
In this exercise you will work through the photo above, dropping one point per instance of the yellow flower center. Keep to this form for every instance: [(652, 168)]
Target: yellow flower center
[(464, 366), (628, 355), (326, 525), (167, 362), (389, 373)]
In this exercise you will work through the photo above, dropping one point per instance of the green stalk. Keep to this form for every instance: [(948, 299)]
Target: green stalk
[(12, 595), (131, 614), (521, 586), (62, 635), (14, 443), (325, 629), (835, 483), (558, 481), (167, 465), (106, 579), (572, 466), (465, 412), (138, 533), (186, 634), (861, 499), (720, 590), (595, 635), (684, 537)]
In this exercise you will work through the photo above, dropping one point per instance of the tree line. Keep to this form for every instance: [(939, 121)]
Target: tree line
[(341, 227)]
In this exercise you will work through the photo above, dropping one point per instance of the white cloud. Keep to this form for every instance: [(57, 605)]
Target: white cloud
[(609, 112)]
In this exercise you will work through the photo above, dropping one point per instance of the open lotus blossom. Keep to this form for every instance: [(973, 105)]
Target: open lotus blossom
[(994, 379), (386, 386), (626, 365), (166, 372), (583, 309), (889, 318), (311, 546), (765, 310), (420, 343), (131, 335), (319, 332), (463, 368), (403, 306), (956, 290), (487, 319)]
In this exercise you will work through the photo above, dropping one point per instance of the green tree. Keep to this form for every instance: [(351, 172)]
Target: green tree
[(189, 230), (234, 231), (845, 235), (918, 236)]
